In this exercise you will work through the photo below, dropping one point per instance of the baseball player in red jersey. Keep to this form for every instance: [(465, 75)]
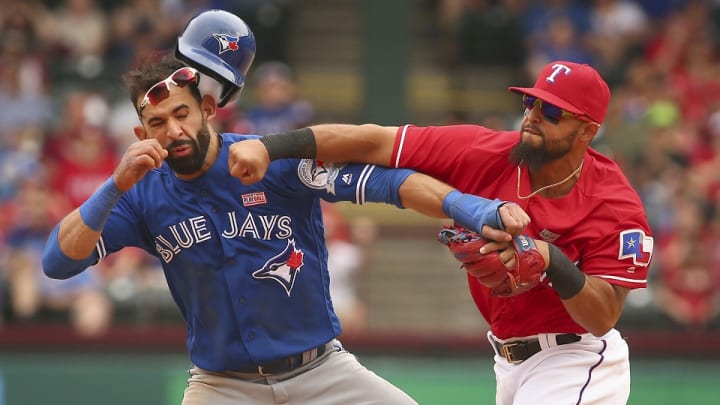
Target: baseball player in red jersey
[(555, 343)]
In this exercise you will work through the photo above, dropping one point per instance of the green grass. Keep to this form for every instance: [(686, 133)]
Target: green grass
[(82, 378)]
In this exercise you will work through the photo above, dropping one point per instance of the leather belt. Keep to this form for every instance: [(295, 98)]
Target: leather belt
[(518, 351), (287, 364)]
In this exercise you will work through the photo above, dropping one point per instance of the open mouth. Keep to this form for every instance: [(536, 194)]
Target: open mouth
[(182, 150)]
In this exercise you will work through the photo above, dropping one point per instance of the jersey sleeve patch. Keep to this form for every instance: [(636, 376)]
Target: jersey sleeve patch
[(319, 175), (636, 245)]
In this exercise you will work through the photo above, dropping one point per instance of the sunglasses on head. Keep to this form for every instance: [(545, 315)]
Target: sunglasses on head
[(551, 112), (161, 90)]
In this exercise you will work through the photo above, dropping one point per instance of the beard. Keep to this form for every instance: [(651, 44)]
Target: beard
[(194, 161), (536, 156)]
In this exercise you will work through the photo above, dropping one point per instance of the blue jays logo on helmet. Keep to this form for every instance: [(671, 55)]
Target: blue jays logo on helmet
[(284, 267), (227, 43), (220, 45)]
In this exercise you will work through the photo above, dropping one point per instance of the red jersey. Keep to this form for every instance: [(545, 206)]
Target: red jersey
[(600, 224)]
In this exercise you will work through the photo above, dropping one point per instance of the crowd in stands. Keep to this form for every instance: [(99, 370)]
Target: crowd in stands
[(65, 121)]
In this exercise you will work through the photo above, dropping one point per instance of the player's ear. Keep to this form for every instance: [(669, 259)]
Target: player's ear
[(589, 132), (208, 104), (140, 132)]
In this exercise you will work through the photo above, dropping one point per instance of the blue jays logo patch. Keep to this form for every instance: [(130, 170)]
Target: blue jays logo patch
[(634, 244), (227, 43), (284, 267)]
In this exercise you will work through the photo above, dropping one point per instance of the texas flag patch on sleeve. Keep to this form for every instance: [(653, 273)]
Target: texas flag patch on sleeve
[(636, 245)]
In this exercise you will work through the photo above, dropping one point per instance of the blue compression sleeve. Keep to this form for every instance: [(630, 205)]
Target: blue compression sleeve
[(96, 210), (472, 212), (56, 264)]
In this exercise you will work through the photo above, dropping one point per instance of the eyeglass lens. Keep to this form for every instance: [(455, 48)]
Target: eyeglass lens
[(551, 112)]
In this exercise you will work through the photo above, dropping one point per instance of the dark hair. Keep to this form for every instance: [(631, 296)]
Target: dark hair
[(140, 79)]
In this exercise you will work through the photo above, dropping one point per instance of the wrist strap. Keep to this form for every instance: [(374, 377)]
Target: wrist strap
[(96, 210), (472, 212), (298, 143), (566, 278)]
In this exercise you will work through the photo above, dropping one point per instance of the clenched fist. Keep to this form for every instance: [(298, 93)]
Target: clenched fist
[(248, 161)]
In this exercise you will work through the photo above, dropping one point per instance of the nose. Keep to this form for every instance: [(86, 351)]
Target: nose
[(174, 129), (533, 114)]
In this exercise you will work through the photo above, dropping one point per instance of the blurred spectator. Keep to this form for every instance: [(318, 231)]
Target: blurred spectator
[(233, 118), (688, 291), (78, 33), (25, 106), (24, 99), (562, 41), (618, 31), (278, 107), (270, 21), (644, 105), (80, 154), (541, 15), (348, 246), (488, 33), (33, 296), (138, 29), (669, 45), (660, 9), (136, 285), (698, 81)]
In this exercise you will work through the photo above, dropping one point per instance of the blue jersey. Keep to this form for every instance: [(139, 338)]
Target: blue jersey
[(246, 265)]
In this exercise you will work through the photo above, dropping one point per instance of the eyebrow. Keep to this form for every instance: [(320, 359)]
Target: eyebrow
[(176, 109)]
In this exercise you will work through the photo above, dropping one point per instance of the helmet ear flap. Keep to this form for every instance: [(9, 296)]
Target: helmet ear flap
[(229, 94), (208, 86)]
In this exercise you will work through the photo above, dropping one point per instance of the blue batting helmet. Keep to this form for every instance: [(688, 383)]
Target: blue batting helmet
[(220, 45)]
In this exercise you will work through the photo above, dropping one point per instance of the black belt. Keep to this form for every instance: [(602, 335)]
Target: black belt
[(520, 350), (287, 364)]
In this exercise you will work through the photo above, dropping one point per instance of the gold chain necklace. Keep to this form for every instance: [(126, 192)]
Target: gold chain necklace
[(541, 189)]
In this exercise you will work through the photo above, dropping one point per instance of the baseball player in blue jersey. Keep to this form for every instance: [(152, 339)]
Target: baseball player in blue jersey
[(246, 265)]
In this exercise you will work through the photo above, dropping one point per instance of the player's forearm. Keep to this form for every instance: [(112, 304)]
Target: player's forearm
[(597, 307), (75, 239), (425, 195), (69, 248), (592, 302), (334, 142), (366, 143), (434, 198)]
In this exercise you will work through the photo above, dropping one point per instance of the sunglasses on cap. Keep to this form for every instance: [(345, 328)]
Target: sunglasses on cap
[(161, 90), (551, 112)]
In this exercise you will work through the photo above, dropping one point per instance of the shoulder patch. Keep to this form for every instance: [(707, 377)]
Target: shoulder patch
[(636, 245), (318, 174)]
